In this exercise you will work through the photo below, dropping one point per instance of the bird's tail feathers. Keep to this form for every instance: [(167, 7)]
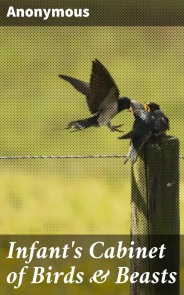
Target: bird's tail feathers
[(82, 124), (79, 85)]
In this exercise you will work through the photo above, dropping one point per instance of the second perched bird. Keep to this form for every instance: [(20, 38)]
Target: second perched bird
[(142, 130), (102, 97), (161, 124)]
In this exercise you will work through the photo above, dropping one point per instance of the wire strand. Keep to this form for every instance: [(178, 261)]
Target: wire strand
[(62, 157), (65, 157)]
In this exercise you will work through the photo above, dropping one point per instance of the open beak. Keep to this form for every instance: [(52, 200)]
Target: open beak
[(147, 107)]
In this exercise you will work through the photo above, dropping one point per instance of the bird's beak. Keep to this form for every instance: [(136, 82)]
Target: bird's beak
[(147, 107)]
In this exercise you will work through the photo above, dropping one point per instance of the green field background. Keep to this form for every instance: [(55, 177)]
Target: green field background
[(78, 196)]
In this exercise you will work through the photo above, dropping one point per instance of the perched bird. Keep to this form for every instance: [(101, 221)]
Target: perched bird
[(161, 124), (102, 97), (142, 130)]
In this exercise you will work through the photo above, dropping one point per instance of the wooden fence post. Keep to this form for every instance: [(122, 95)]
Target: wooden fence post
[(155, 212)]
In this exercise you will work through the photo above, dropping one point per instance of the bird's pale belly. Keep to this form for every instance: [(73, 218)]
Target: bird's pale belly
[(106, 115)]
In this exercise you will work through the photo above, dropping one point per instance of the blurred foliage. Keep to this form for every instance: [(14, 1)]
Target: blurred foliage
[(78, 196)]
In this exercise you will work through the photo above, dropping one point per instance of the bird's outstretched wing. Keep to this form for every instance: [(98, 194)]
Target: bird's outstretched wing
[(102, 87), (82, 87)]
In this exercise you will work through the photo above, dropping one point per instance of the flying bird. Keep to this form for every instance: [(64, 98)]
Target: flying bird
[(102, 97), (161, 124), (142, 130)]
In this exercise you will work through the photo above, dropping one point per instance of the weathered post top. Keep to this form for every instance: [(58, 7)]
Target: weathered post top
[(155, 209)]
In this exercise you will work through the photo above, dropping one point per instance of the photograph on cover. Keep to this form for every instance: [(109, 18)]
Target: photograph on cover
[(77, 196), (63, 167)]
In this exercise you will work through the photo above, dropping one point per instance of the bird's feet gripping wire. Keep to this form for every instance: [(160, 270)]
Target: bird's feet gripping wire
[(132, 154), (114, 128)]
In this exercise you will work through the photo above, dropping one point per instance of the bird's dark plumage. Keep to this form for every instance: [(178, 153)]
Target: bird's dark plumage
[(161, 124), (148, 121), (83, 123), (81, 86), (141, 131), (101, 84), (102, 97)]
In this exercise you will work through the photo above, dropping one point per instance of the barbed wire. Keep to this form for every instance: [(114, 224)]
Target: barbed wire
[(65, 157)]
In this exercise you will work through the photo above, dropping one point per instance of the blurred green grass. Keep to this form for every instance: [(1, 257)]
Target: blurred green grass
[(77, 196), (33, 204)]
